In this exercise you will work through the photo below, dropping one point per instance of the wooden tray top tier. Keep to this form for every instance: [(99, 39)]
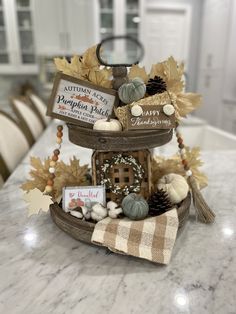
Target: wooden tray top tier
[(83, 230), (118, 141)]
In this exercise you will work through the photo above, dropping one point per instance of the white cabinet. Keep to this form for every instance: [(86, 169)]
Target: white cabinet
[(17, 54), (64, 27), (49, 26), (119, 17)]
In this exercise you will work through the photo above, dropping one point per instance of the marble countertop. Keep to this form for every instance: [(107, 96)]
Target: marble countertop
[(43, 270)]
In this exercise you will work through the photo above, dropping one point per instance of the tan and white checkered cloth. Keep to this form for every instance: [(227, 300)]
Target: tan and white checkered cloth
[(151, 238)]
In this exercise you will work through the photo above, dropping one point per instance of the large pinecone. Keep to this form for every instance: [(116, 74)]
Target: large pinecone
[(159, 203), (155, 86)]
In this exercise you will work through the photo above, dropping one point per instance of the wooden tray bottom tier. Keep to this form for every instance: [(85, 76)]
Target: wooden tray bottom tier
[(83, 230), (118, 141)]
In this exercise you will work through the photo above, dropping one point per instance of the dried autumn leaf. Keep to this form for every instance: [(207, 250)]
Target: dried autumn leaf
[(137, 71), (76, 66), (70, 175), (39, 174), (63, 65), (186, 103), (194, 162), (100, 77), (171, 73), (90, 60)]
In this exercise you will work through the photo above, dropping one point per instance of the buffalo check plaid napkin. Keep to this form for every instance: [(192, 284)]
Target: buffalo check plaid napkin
[(152, 238)]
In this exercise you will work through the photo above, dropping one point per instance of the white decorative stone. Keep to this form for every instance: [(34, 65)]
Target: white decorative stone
[(136, 111), (58, 146), (169, 110)]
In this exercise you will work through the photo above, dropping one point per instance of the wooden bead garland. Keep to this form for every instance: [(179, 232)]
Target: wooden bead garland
[(53, 161)]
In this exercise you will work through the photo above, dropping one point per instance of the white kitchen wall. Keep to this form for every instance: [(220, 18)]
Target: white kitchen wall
[(217, 69)]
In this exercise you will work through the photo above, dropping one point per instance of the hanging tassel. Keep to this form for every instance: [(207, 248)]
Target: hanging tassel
[(204, 213)]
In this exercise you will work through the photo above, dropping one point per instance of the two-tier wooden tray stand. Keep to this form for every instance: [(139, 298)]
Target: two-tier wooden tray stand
[(106, 145)]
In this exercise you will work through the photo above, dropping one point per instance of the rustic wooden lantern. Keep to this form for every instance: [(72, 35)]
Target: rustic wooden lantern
[(122, 173)]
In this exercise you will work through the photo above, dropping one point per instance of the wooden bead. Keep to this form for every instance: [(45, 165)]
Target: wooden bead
[(48, 188), (52, 163), (118, 82), (184, 162), (54, 157), (179, 140), (50, 182), (51, 176), (186, 167), (56, 152), (59, 134), (181, 146), (119, 71), (59, 128), (59, 140)]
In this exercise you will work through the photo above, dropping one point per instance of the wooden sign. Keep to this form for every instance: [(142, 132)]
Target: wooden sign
[(152, 117), (83, 196), (80, 102)]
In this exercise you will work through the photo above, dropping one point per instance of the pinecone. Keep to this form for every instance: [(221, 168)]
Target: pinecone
[(159, 203), (155, 86)]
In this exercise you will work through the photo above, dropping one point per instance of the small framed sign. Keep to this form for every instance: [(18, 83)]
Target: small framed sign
[(83, 196), (80, 102), (152, 117)]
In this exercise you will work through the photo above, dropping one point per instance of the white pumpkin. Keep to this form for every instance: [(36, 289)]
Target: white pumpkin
[(107, 125), (175, 186)]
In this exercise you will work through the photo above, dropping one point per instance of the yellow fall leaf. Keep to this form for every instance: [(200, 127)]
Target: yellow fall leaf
[(39, 174), (186, 103), (89, 60), (69, 175), (63, 65), (137, 71), (100, 77), (171, 73)]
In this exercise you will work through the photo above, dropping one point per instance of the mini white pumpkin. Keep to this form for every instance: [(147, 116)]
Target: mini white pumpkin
[(107, 125), (132, 91), (175, 186)]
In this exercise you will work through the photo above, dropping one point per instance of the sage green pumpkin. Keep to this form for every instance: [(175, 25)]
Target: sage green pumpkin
[(135, 207), (132, 91)]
